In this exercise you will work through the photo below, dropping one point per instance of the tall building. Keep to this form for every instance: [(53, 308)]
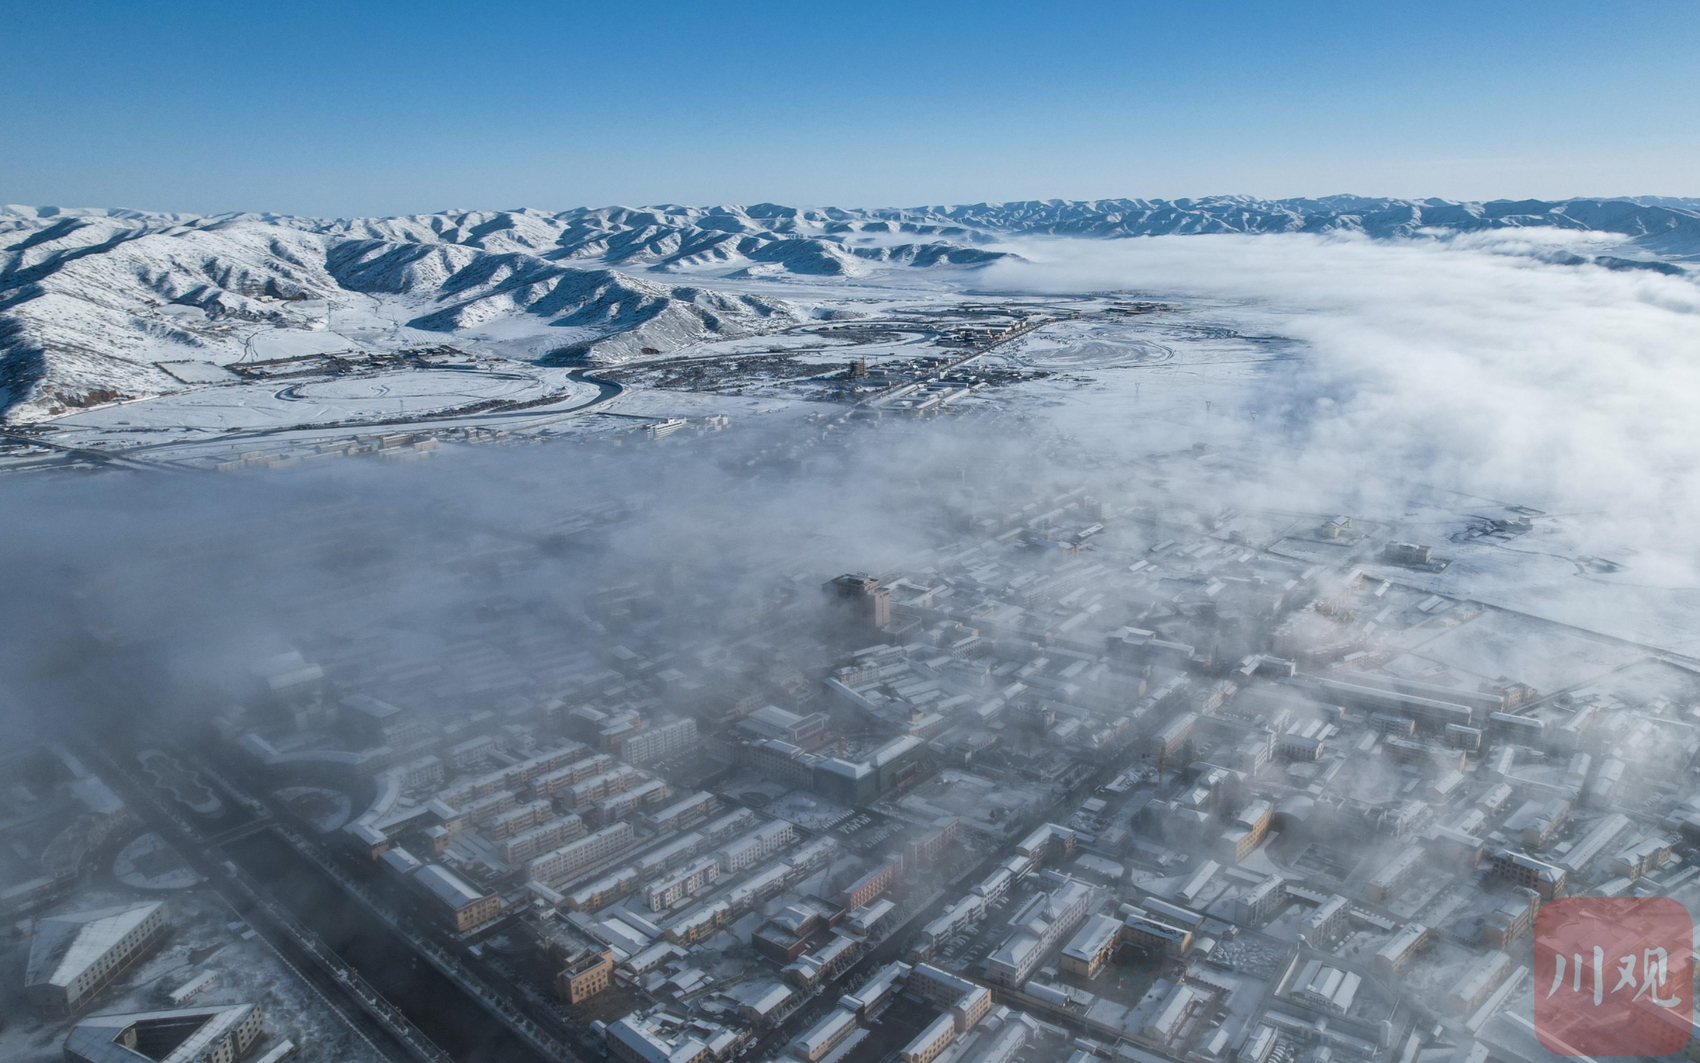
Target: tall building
[(870, 601), (73, 956)]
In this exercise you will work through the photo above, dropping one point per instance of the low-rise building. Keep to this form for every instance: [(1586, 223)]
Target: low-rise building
[(543, 837), (73, 956), (756, 846), (1537, 821), (1090, 949), (1400, 948), (825, 1035), (1392, 876), (1170, 1015), (1168, 739), (568, 860), (219, 1034), (1145, 932), (1005, 1045), (1258, 903), (1525, 870), (1325, 922), (930, 1042), (1250, 827), (1324, 986), (1054, 917), (650, 744), (635, 1039), (463, 906), (869, 886), (1512, 919), (681, 884), (1648, 854), (585, 977), (877, 991), (1050, 842), (971, 1007), (1482, 977)]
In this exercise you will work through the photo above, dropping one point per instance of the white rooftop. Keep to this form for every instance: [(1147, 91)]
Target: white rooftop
[(96, 1039), (67, 945)]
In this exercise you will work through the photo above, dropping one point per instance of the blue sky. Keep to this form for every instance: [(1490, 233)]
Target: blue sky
[(377, 108)]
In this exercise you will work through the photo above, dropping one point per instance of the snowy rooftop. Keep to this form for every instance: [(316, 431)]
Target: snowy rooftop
[(65, 946)]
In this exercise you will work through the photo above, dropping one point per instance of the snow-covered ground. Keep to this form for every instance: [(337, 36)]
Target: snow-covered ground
[(353, 400), (205, 938)]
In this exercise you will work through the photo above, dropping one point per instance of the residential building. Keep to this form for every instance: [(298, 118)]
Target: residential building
[(869, 886), (581, 855), (686, 883), (930, 1042), (1400, 948), (221, 1034), (1052, 918), (1090, 949), (825, 1035), (1525, 870), (1325, 923), (463, 906), (586, 977), (73, 956), (756, 846), (651, 744)]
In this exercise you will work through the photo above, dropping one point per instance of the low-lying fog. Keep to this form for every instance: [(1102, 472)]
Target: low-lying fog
[(1480, 366)]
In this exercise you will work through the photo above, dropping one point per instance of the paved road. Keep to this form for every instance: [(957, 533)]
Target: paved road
[(208, 861)]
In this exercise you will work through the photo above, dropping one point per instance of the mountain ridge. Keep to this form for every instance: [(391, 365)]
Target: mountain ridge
[(92, 299)]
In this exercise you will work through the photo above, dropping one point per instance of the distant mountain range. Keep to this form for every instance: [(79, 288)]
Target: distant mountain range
[(90, 300)]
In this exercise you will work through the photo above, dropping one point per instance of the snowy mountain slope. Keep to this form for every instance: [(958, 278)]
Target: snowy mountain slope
[(90, 300)]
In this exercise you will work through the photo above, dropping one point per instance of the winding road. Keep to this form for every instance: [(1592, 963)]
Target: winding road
[(142, 456)]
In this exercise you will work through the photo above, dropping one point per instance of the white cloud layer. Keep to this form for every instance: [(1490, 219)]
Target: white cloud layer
[(1465, 364)]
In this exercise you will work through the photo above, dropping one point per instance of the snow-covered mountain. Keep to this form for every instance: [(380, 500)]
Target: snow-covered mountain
[(92, 300), (1659, 225)]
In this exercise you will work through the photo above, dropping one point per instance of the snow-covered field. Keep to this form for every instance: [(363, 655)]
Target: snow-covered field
[(355, 400)]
